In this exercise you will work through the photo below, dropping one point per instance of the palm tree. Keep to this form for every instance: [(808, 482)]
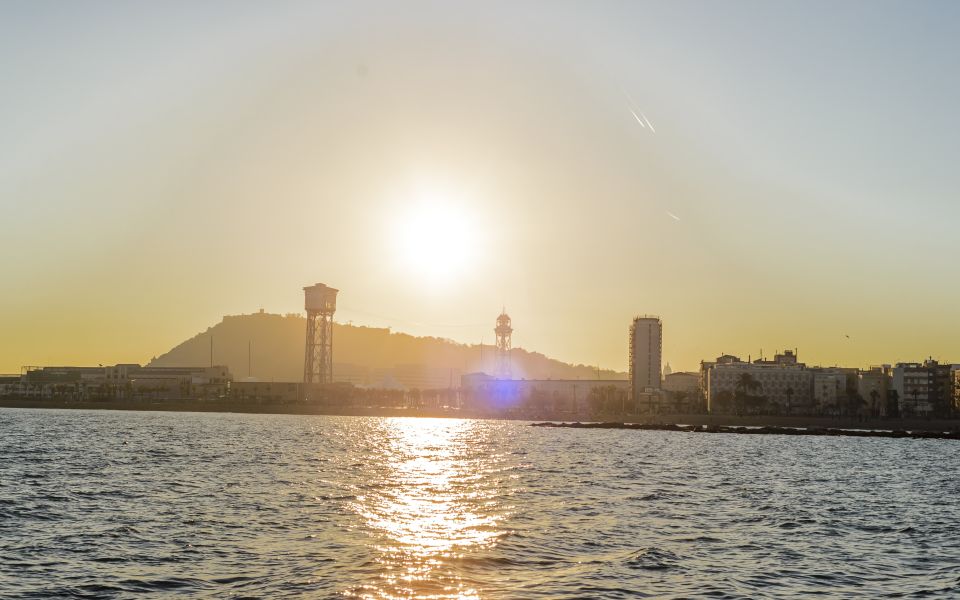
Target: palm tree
[(679, 399), (595, 400), (893, 403), (723, 402), (746, 383), (854, 402), (916, 395), (956, 394), (874, 409)]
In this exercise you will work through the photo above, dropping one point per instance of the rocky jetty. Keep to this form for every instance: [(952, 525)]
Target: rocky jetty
[(765, 430)]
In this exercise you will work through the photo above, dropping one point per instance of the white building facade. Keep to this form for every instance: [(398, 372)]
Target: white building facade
[(783, 384)]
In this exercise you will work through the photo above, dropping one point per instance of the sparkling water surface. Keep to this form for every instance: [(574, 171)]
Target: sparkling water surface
[(103, 504)]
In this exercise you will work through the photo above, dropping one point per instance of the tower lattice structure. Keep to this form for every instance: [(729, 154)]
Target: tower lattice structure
[(504, 331), (320, 302)]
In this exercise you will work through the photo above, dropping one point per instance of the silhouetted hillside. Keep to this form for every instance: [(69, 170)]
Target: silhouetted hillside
[(276, 351)]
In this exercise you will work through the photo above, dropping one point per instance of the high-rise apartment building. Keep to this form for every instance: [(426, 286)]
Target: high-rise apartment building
[(646, 355)]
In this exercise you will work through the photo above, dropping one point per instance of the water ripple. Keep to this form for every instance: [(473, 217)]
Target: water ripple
[(122, 504)]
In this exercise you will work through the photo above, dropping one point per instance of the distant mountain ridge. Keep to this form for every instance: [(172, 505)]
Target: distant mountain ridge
[(276, 345)]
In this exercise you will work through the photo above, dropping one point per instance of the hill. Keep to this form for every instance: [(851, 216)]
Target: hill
[(364, 355)]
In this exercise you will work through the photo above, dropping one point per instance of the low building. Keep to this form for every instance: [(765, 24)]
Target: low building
[(704, 374), (924, 389), (9, 385), (124, 382), (873, 386), (166, 383), (835, 391), (64, 382), (266, 392), (955, 372), (782, 385), (681, 390), (485, 394), (403, 376), (681, 381), (422, 377)]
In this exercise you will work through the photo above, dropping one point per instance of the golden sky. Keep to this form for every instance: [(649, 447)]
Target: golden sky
[(760, 176)]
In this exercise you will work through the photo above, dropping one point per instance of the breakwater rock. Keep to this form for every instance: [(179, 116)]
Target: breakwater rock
[(762, 430)]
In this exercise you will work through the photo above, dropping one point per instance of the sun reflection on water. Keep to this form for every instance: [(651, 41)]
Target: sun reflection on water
[(436, 505)]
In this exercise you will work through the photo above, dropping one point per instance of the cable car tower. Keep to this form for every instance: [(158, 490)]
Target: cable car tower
[(320, 302), (504, 331)]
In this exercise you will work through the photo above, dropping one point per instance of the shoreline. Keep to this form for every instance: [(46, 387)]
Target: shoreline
[(786, 425)]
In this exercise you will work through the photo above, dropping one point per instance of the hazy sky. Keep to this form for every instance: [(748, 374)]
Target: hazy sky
[(795, 181)]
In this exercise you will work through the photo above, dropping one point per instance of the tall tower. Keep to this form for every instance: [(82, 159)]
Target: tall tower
[(646, 345), (320, 302), (503, 331)]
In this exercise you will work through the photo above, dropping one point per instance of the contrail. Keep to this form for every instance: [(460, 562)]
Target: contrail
[(649, 124), (644, 121), (673, 216)]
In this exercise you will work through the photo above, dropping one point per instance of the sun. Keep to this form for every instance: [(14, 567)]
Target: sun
[(436, 239)]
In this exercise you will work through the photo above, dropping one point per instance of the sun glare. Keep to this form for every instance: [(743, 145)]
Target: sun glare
[(438, 503), (436, 239)]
